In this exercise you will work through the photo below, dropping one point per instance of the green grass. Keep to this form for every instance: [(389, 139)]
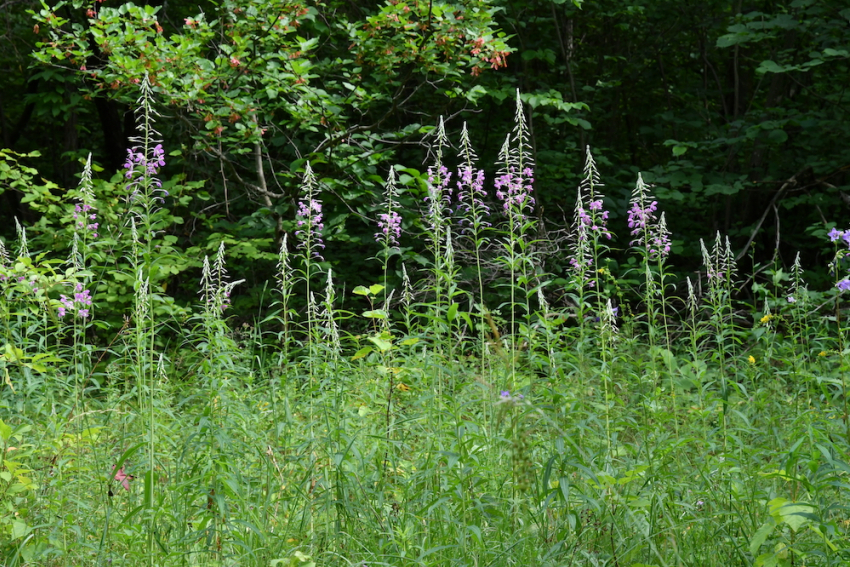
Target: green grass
[(254, 462)]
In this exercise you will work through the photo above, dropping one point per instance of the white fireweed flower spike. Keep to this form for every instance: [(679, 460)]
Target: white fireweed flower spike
[(520, 152), (161, 375), (23, 250), (313, 308), (467, 153), (142, 300), (609, 318), (75, 260), (692, 304), (330, 295), (407, 288), (449, 248), (219, 269), (389, 300), (442, 141), (134, 239), (207, 290), (708, 263), (729, 266), (284, 271), (718, 256), (328, 314), (544, 305), (798, 285)]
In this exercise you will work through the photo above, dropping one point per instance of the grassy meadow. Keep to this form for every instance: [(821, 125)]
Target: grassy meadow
[(586, 418)]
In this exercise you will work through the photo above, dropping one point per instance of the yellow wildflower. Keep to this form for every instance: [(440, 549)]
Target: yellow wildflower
[(822, 353), (752, 359), (766, 318)]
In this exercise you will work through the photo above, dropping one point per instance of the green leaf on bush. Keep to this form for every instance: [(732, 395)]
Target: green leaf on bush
[(761, 535)]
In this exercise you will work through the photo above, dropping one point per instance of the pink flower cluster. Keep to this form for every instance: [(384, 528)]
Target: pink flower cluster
[(138, 158), (515, 191), (596, 222), (82, 215), (639, 218), (470, 196), (659, 245), (139, 166), (309, 219), (80, 303), (390, 225), (648, 230)]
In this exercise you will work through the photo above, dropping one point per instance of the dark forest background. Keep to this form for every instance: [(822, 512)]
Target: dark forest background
[(733, 111)]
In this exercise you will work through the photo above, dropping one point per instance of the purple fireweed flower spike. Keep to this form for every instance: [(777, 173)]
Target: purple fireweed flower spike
[(590, 222), (471, 195), (649, 231), (514, 190), (145, 159), (659, 245), (79, 303), (390, 221), (471, 207), (515, 180), (85, 214), (438, 197), (308, 218), (142, 170), (590, 209)]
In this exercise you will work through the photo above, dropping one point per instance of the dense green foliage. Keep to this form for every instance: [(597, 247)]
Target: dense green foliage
[(734, 112)]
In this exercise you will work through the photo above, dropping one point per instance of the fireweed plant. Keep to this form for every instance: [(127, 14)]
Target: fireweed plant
[(309, 226), (389, 223), (590, 242), (285, 283), (145, 198), (473, 229), (720, 270), (514, 190), (472, 212), (408, 453), (436, 219), (651, 240)]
